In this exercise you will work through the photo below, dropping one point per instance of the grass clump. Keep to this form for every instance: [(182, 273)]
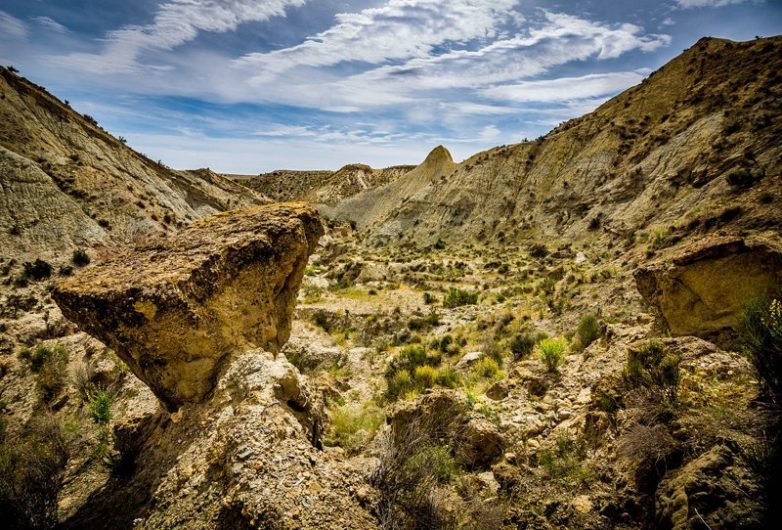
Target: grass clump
[(100, 407), (437, 459), (552, 352), (80, 258), (49, 364), (653, 367), (564, 458), (353, 425), (488, 368), (760, 335), (522, 345), (588, 330), (459, 297)]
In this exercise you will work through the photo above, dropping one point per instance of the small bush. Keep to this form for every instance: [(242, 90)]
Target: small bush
[(760, 334), (80, 257), (552, 352), (37, 270), (100, 407), (459, 297), (49, 364), (564, 458), (429, 299), (447, 377), (42, 354), (321, 319), (424, 376), (436, 458), (353, 425), (522, 345), (487, 368), (652, 367), (588, 330), (538, 250)]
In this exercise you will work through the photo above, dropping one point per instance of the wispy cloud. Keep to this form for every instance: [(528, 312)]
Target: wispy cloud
[(51, 24), (176, 22), (11, 26), (710, 3), (565, 88)]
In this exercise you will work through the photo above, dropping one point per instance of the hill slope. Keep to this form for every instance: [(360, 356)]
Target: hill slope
[(693, 147), (66, 182)]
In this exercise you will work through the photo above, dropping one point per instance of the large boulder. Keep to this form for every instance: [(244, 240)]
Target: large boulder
[(175, 309), (704, 289)]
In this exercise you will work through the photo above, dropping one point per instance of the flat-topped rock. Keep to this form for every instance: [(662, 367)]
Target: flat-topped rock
[(175, 308), (703, 290)]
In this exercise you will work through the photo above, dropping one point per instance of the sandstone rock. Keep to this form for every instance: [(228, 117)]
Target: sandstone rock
[(442, 415), (176, 308), (703, 290)]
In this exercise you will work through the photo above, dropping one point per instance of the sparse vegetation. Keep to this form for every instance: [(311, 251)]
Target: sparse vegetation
[(353, 425), (552, 352), (653, 367), (80, 257), (760, 334), (588, 330), (459, 297)]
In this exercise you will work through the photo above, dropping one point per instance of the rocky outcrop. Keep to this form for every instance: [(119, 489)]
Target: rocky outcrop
[(175, 309), (704, 289)]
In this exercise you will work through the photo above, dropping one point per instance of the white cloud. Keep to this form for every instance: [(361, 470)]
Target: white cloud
[(176, 22), (709, 3), (11, 26), (51, 24), (400, 29), (565, 88)]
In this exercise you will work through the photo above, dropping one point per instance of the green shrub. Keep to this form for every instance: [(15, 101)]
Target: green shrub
[(437, 459), (351, 426), (760, 334), (653, 367), (552, 352), (100, 407), (398, 384), (424, 376), (459, 297), (522, 345), (37, 270), (564, 458), (50, 365), (39, 356), (447, 377), (487, 368), (588, 330), (429, 299), (321, 319)]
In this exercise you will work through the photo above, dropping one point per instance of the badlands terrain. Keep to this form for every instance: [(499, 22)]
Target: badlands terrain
[(581, 331)]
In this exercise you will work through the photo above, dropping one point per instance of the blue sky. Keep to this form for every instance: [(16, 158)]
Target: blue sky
[(253, 85)]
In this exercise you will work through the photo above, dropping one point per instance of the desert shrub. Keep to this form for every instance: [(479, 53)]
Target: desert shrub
[(436, 458), (424, 376), (588, 330), (653, 367), (100, 407), (424, 323), (447, 377), (552, 352), (429, 298), (412, 369), (487, 368), (49, 364), (522, 345), (493, 350), (564, 458), (80, 257), (31, 465), (741, 178), (351, 426), (538, 250), (760, 334), (459, 297), (37, 270), (83, 374)]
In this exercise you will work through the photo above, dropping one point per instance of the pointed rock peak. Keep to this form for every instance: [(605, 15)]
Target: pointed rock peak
[(439, 154)]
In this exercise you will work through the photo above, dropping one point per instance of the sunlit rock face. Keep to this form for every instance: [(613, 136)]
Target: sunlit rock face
[(175, 309)]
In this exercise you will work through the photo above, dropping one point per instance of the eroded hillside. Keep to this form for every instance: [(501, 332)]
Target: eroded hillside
[(579, 332)]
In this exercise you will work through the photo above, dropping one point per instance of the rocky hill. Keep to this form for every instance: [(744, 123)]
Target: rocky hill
[(691, 150), (322, 187), (67, 183), (579, 332)]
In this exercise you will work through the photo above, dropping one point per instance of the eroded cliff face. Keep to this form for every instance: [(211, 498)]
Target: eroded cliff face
[(704, 289), (176, 308)]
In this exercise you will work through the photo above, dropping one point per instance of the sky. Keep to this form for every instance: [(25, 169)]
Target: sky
[(247, 86)]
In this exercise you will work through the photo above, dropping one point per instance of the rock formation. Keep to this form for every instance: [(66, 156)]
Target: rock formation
[(175, 308), (703, 290)]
